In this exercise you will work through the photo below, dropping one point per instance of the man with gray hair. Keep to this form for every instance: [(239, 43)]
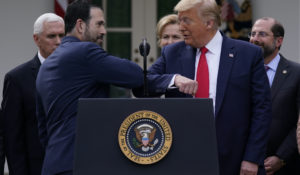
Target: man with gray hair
[(22, 146)]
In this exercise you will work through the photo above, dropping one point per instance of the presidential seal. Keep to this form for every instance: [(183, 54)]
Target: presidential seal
[(145, 137)]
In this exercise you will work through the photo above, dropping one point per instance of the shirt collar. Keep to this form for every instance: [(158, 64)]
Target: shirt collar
[(215, 44), (274, 63), (41, 58)]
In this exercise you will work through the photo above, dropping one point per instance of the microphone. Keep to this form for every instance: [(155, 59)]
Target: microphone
[(144, 51), (144, 48)]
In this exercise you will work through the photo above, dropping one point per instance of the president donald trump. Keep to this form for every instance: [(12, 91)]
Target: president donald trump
[(207, 64)]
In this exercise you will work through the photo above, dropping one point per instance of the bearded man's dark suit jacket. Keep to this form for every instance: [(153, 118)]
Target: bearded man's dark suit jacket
[(285, 92), (2, 157), (242, 108), (23, 149)]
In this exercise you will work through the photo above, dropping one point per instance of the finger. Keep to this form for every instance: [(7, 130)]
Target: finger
[(268, 169), (247, 172), (242, 172), (191, 90), (181, 87), (267, 159), (195, 88), (267, 163), (186, 90)]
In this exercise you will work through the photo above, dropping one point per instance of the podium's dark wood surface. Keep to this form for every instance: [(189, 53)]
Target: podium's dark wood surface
[(193, 150)]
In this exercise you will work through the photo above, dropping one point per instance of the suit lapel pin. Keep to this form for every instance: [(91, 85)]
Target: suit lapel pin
[(284, 71), (231, 55)]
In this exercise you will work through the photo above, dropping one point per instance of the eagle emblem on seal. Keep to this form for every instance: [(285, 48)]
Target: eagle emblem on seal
[(145, 134)]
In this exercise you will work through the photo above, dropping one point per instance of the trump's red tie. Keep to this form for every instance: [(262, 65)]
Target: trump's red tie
[(202, 75)]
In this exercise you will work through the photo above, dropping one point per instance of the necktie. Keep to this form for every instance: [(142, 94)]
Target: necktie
[(267, 68), (202, 75)]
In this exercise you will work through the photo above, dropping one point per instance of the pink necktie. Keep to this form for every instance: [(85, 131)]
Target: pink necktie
[(267, 68), (202, 76)]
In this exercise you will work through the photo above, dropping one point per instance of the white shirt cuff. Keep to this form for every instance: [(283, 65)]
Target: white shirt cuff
[(172, 82)]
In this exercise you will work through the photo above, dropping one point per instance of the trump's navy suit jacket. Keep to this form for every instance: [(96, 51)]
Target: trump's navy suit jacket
[(242, 107), (74, 70)]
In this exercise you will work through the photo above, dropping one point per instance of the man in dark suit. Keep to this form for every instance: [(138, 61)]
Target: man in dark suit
[(2, 157), (23, 149), (78, 68), (284, 79), (235, 80), (298, 135)]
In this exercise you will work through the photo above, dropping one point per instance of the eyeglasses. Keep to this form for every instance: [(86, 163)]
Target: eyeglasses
[(259, 34)]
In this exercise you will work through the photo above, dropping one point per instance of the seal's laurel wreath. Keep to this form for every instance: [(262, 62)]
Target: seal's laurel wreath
[(145, 137)]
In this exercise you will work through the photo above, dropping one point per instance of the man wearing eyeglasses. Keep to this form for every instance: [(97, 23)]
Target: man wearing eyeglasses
[(284, 79)]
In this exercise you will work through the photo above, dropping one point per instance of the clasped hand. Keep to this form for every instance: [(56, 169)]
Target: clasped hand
[(186, 85)]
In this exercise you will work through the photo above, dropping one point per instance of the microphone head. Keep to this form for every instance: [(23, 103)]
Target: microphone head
[(144, 48)]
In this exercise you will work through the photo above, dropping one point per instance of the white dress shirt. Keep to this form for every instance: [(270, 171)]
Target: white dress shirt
[(41, 58), (213, 54)]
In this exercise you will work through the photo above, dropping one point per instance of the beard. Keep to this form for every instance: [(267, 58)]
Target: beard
[(88, 36), (267, 49)]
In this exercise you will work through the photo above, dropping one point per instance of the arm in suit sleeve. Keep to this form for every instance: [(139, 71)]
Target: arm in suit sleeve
[(158, 78), (41, 118), (113, 70), (14, 135), (260, 114), (288, 147), (2, 157)]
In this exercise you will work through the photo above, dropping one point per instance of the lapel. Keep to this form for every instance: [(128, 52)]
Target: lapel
[(187, 61), (281, 74), (227, 58), (35, 65)]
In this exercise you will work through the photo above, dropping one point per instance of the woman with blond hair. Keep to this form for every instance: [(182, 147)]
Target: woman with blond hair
[(168, 30)]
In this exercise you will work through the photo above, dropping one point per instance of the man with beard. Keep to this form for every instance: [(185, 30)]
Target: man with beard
[(284, 79), (79, 68)]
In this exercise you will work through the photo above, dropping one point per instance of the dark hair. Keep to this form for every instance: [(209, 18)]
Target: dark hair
[(277, 29), (79, 9)]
